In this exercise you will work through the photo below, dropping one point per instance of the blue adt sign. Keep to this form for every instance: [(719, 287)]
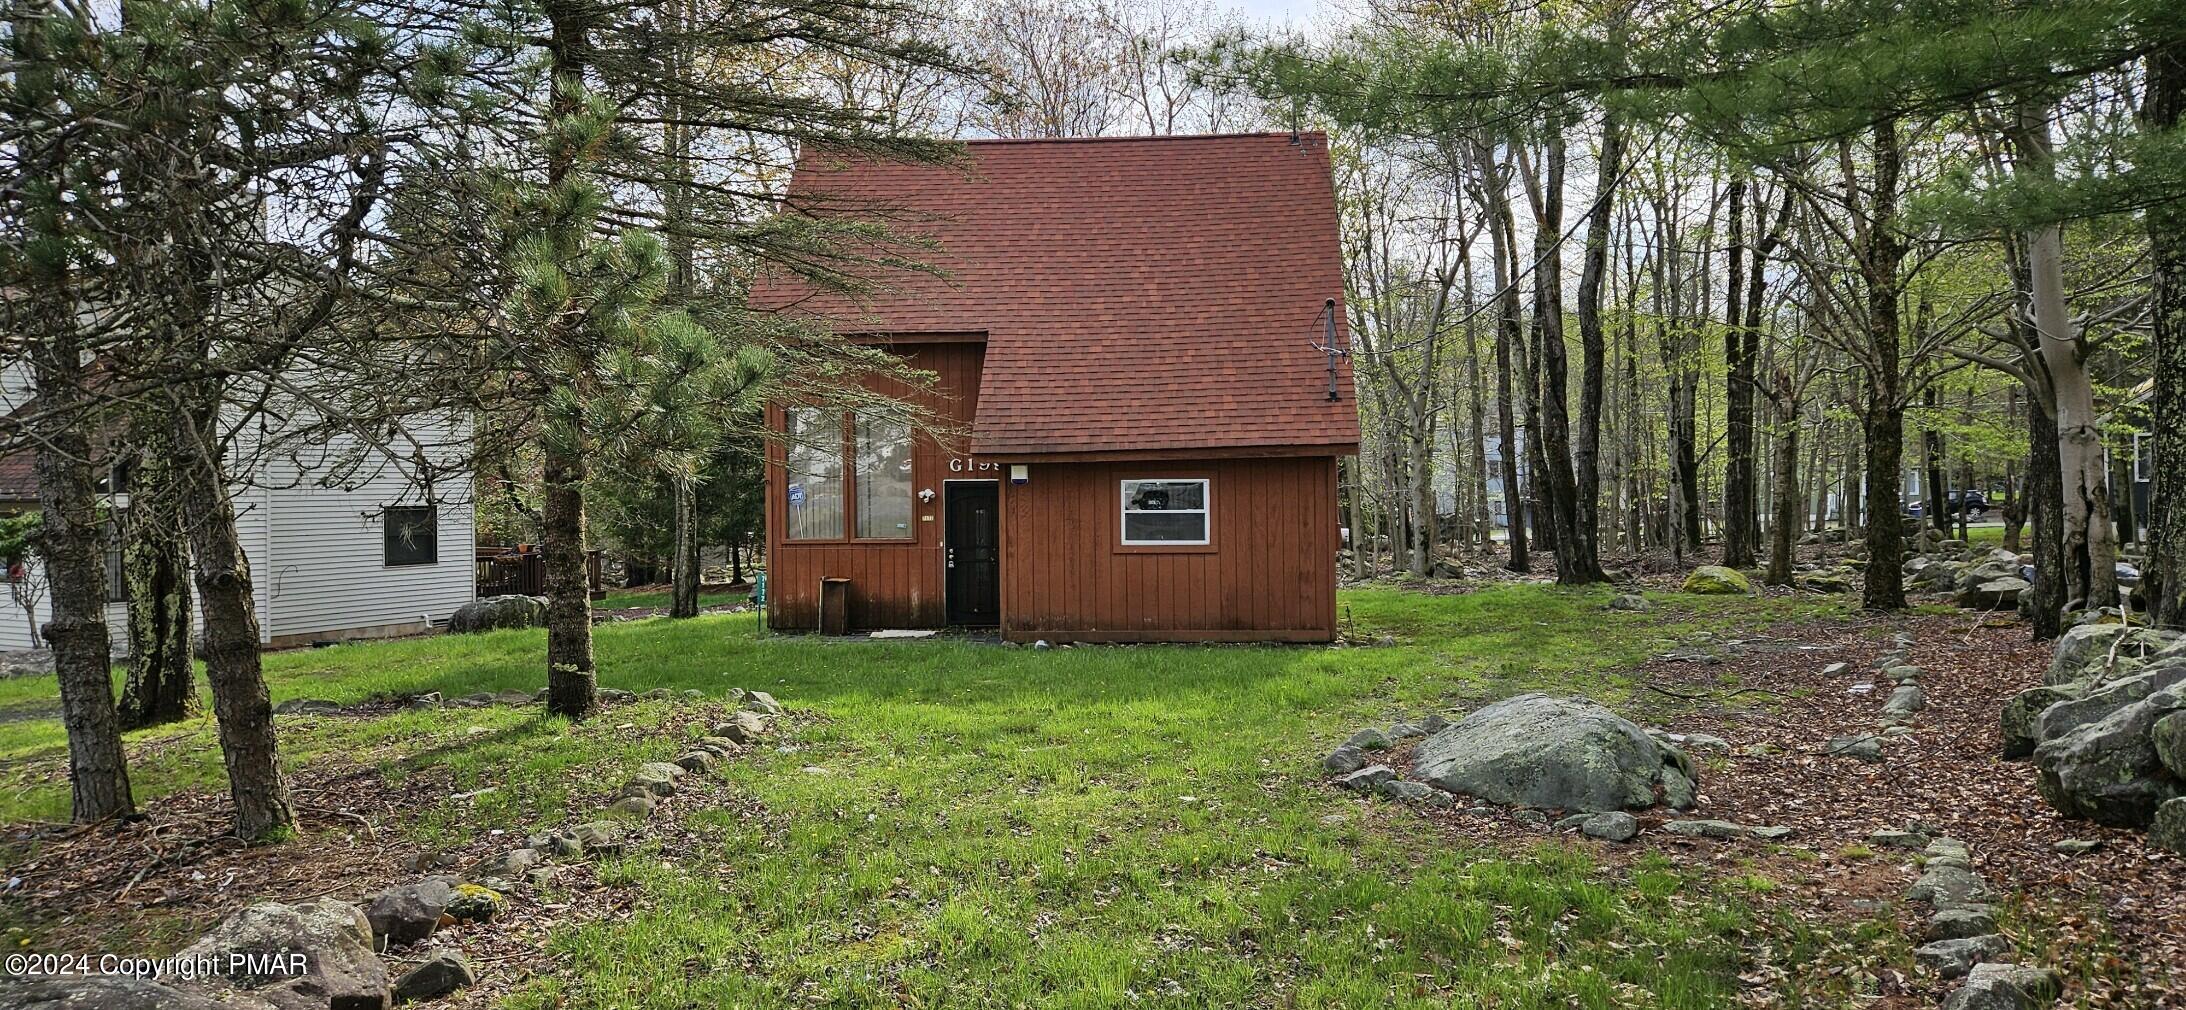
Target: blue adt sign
[(796, 494)]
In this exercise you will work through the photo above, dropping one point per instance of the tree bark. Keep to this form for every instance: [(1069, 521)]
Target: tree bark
[(1593, 353), (1787, 523), (1883, 412), (161, 685), (2164, 582), (685, 572), (1509, 330), (2045, 504), (572, 683), (241, 705), (1931, 464), (2090, 537), (75, 564), (1575, 560), (1739, 538)]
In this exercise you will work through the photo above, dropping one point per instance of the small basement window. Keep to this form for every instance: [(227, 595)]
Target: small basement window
[(411, 535), (1164, 513)]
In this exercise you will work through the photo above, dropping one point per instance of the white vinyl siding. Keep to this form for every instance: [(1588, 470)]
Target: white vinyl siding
[(329, 571)]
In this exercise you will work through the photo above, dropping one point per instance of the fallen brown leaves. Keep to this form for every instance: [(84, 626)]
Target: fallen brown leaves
[(152, 885), (2112, 921)]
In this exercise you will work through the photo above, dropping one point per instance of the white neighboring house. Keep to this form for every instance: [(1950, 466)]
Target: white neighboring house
[(323, 525)]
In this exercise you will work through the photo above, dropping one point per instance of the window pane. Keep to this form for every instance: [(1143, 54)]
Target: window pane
[(883, 448), (815, 478), (1164, 495), (411, 535), (1176, 527)]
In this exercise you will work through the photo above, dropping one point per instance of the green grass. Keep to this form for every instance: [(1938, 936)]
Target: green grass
[(1005, 827)]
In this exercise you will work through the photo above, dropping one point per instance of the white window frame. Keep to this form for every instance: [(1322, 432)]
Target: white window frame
[(1205, 511)]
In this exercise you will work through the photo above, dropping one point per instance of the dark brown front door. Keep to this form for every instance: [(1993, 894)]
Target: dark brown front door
[(972, 552)]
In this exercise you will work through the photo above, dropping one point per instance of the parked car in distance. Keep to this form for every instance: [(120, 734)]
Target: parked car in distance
[(1973, 503)]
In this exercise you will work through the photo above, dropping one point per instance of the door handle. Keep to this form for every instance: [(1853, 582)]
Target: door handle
[(950, 555)]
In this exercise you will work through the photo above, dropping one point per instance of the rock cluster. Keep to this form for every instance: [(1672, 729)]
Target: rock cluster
[(1899, 709), (1961, 939), (2107, 729), (325, 954)]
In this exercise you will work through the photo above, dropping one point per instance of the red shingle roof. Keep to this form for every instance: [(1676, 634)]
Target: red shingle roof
[(1137, 293)]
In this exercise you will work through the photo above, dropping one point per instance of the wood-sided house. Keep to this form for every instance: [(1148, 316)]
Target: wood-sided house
[(1131, 335)]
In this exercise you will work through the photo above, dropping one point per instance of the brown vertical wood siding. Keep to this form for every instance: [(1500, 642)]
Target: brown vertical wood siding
[(893, 584), (1268, 575)]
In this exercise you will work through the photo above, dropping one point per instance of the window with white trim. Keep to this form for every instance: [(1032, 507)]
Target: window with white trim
[(1169, 512)]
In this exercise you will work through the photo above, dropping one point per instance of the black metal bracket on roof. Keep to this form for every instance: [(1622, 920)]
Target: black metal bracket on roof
[(1328, 346)]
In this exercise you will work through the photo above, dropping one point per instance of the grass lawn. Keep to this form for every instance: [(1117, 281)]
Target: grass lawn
[(972, 825)]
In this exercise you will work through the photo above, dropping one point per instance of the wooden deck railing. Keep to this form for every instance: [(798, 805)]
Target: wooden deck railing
[(521, 571)]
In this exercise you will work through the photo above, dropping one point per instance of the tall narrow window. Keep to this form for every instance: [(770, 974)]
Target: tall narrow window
[(883, 458), (1164, 512), (410, 535), (814, 487)]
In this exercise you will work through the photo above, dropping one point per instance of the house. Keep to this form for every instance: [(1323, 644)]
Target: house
[(1131, 339), (342, 540)]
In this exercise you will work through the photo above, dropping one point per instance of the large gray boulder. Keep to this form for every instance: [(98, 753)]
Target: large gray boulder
[(499, 612), (1716, 580), (1990, 571), (2107, 651), (1555, 753), (1993, 986), (1994, 594), (2022, 715), (2108, 770), (2169, 736), (312, 956), (2098, 701), (2168, 830), (110, 992), (1934, 578)]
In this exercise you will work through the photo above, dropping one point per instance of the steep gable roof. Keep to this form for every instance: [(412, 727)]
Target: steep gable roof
[(1136, 293)]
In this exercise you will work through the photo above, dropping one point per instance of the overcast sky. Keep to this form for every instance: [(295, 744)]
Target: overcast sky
[(1294, 12)]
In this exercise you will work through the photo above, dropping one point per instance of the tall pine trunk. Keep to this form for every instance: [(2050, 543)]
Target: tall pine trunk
[(1739, 536), (1593, 351), (61, 419), (1575, 561), (75, 564), (1509, 330), (1786, 523), (2165, 580), (572, 682), (685, 574), (1883, 409), (241, 705)]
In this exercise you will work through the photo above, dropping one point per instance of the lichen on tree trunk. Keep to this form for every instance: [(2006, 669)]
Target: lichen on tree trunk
[(161, 684)]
